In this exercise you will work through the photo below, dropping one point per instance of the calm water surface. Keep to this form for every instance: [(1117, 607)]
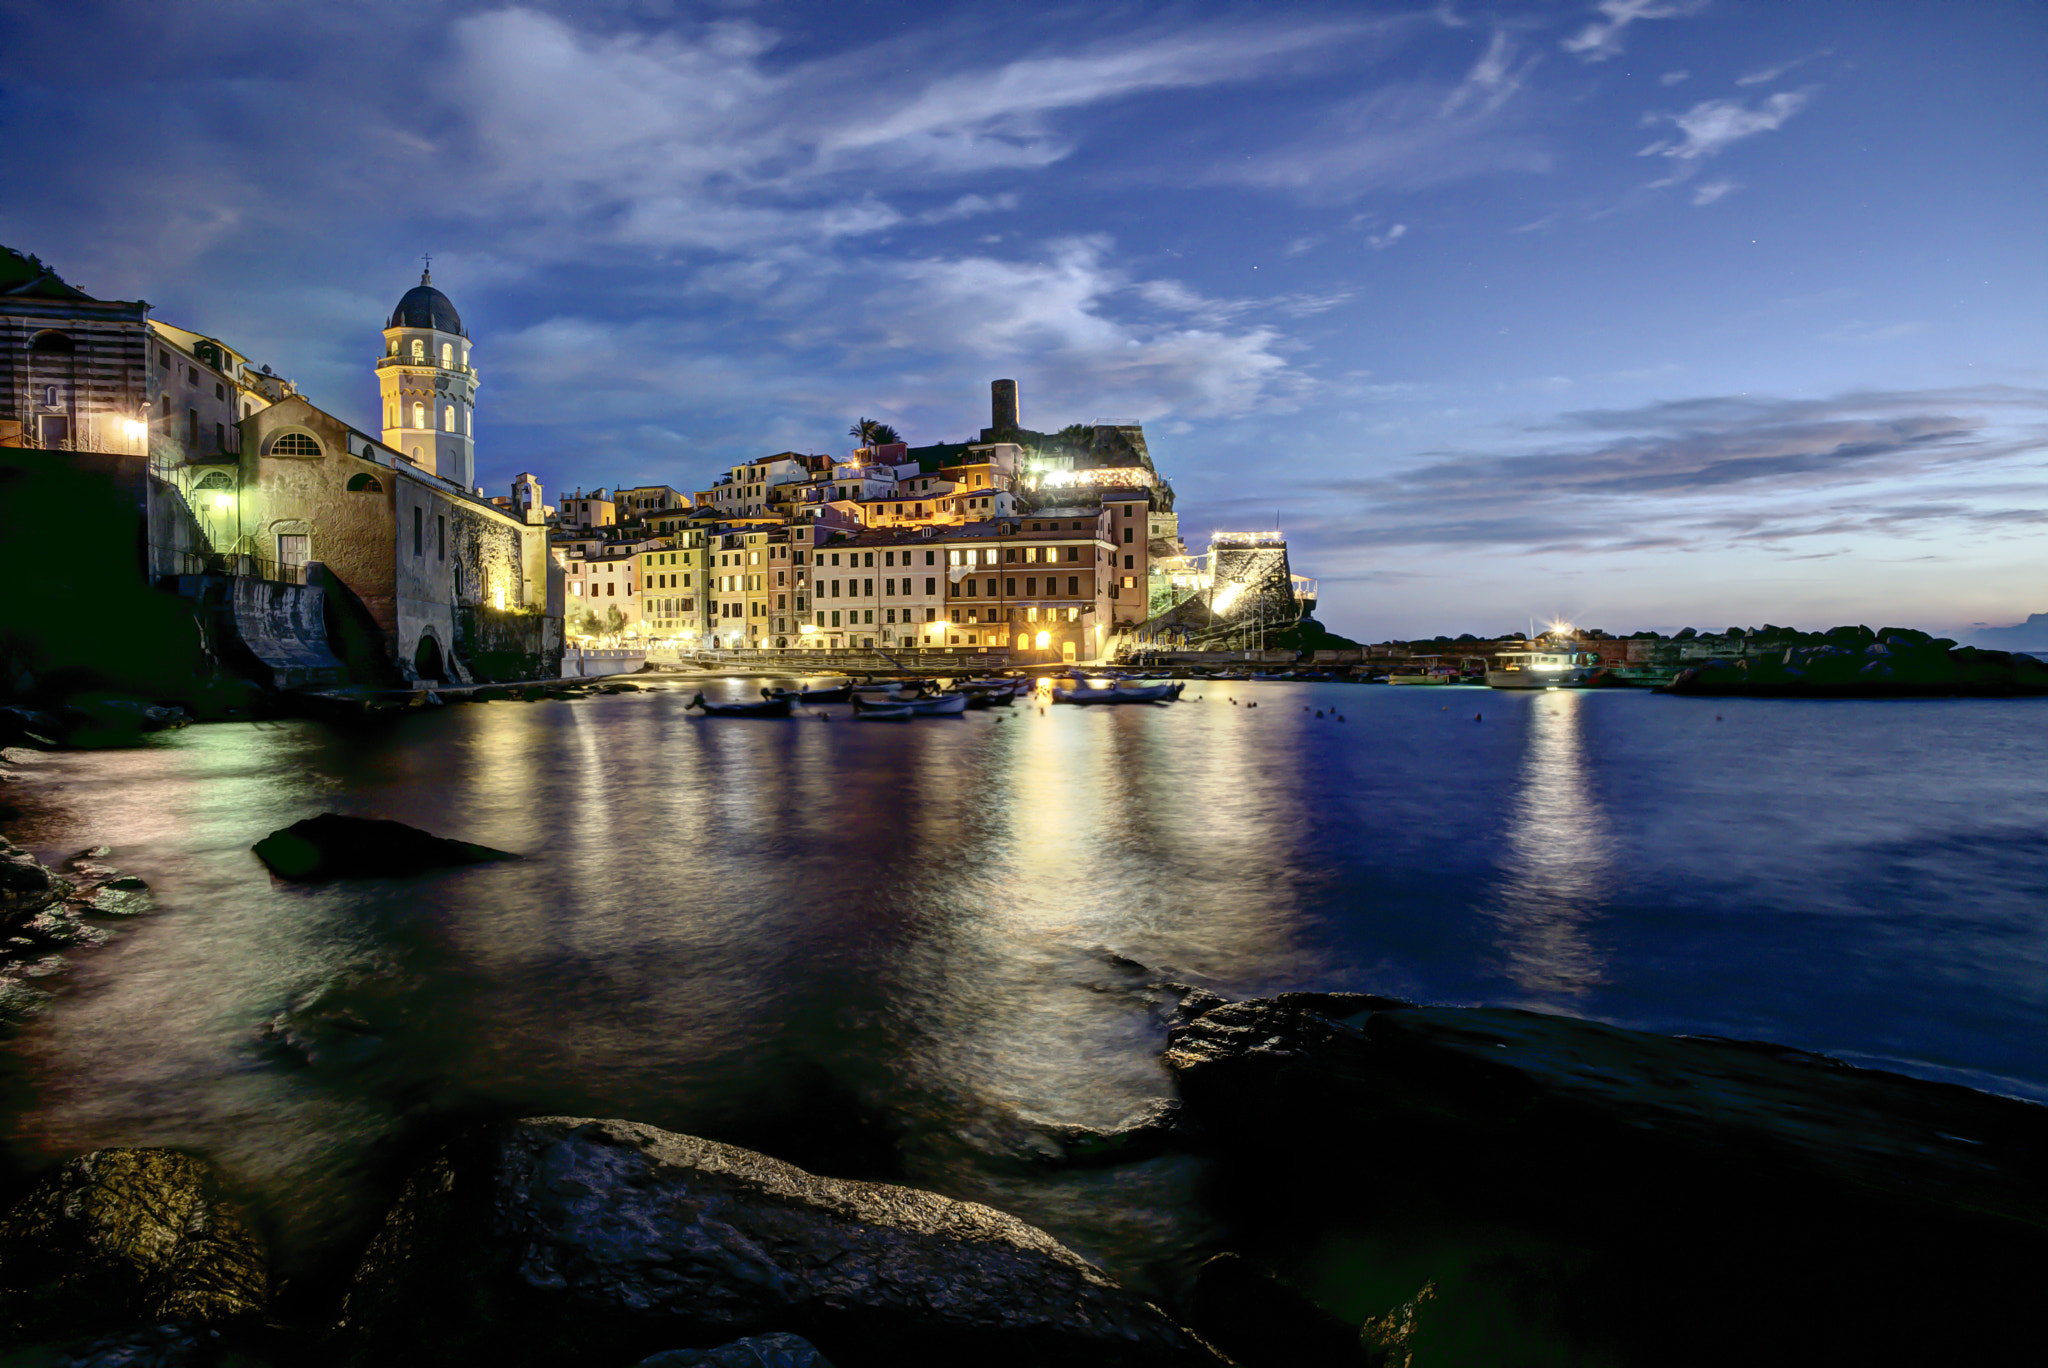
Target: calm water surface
[(887, 950)]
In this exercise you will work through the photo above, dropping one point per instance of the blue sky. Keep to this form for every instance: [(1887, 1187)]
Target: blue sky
[(1656, 313)]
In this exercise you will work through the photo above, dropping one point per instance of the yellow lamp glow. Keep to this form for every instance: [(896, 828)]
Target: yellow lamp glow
[(223, 502), (1044, 640), (135, 428), (498, 597)]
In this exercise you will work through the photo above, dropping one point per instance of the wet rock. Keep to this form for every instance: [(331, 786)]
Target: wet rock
[(1263, 1323), (1852, 1210), (122, 896), (97, 720), (557, 1239), (19, 1000), (1149, 1132), (760, 1351), (323, 1027), (332, 846), (126, 1238), (60, 926)]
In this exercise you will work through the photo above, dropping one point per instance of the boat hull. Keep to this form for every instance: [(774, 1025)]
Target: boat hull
[(1574, 678)]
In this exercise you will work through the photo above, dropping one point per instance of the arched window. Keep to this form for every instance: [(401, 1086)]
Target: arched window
[(419, 417), (419, 350), (50, 342), (50, 396), (295, 444), (448, 418), (364, 484), (393, 350), (213, 479), (448, 356), (467, 421)]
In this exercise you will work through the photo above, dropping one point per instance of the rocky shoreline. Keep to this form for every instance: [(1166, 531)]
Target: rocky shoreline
[(1900, 664)]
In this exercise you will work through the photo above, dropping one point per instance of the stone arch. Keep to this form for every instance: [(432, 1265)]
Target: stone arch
[(427, 659), (365, 483), (51, 342), (294, 443), (213, 479)]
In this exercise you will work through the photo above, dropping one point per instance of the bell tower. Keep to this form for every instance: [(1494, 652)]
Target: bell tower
[(428, 384)]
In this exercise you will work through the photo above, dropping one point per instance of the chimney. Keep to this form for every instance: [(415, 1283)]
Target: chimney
[(1003, 405)]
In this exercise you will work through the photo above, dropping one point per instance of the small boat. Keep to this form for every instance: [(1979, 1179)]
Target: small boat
[(767, 707), (838, 693), (882, 712), (1116, 693), (942, 705)]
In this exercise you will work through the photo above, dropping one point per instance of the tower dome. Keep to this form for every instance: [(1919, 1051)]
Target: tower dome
[(426, 307)]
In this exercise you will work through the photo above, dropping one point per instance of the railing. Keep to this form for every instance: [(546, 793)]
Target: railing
[(235, 566)]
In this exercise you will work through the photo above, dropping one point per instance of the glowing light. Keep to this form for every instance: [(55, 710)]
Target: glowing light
[(1043, 640), (135, 428), (498, 596), (223, 502)]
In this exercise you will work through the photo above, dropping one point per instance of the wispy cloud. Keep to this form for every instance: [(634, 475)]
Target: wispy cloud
[(1712, 126), (1672, 78), (1382, 241), (1769, 74), (1713, 470), (1713, 190), (1601, 38)]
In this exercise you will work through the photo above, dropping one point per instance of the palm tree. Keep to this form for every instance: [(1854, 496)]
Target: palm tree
[(872, 433)]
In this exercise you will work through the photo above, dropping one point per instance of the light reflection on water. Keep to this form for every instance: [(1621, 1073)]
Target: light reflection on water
[(756, 929), (1557, 869)]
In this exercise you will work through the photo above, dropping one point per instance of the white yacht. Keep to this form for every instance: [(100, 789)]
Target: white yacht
[(1544, 664)]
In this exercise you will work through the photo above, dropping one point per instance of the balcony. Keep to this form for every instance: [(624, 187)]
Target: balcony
[(387, 362)]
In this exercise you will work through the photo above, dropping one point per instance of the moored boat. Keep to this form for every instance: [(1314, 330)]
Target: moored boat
[(1544, 665), (767, 707)]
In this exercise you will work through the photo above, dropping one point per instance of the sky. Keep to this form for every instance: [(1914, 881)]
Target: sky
[(1646, 313)]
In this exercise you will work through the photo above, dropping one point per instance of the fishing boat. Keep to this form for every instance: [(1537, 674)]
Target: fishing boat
[(942, 705), (882, 712), (767, 707), (1544, 664)]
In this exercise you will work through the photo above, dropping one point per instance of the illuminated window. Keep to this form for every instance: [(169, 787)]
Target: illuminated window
[(448, 355), (448, 419), (419, 420), (419, 350)]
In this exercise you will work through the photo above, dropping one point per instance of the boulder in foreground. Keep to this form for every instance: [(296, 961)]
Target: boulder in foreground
[(125, 1237), (332, 846), (557, 1239)]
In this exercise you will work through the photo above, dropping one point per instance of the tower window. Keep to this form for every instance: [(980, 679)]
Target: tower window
[(448, 419), (419, 350), (419, 415), (448, 356)]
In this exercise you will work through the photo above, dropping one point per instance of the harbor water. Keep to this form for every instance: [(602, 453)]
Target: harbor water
[(900, 950)]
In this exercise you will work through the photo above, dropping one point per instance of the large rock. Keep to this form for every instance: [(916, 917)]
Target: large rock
[(332, 846), (126, 1237), (1849, 1212), (759, 1351), (556, 1239)]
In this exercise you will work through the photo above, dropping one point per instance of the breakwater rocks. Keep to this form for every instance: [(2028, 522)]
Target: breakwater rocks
[(1896, 664)]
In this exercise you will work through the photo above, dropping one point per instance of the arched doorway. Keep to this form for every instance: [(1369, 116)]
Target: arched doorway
[(426, 661)]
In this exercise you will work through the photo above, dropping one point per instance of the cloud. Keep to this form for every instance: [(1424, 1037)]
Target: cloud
[(1712, 126), (1601, 38), (1381, 241), (1713, 190), (1672, 78), (1769, 74), (1709, 472)]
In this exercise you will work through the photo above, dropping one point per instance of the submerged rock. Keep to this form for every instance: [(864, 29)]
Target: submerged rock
[(125, 1238), (332, 846), (557, 1239)]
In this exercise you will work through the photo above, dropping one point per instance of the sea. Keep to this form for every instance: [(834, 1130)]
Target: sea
[(904, 951)]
